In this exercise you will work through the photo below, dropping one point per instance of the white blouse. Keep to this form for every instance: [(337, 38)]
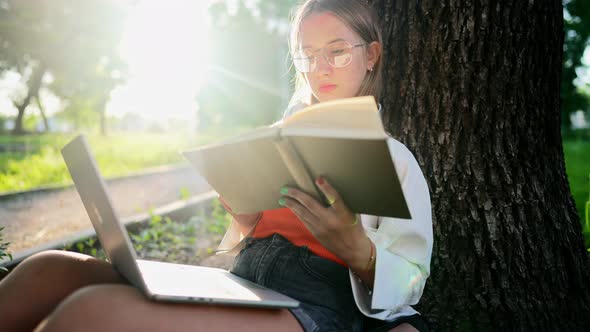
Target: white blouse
[(404, 247)]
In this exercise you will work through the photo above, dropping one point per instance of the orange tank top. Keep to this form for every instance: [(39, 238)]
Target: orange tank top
[(285, 222)]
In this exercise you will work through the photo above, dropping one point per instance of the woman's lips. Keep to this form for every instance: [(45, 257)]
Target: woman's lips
[(327, 87)]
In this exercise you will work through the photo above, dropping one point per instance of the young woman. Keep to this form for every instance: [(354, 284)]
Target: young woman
[(350, 272)]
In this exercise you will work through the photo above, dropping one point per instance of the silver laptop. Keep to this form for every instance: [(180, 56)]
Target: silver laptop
[(158, 280)]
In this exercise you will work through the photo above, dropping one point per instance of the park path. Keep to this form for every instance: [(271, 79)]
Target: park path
[(35, 218)]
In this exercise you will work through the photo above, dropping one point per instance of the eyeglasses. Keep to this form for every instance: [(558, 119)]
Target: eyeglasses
[(337, 54)]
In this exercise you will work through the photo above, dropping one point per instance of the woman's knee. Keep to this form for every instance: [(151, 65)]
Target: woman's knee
[(67, 267), (49, 265), (53, 260)]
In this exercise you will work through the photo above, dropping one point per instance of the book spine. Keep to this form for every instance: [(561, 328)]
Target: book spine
[(297, 168)]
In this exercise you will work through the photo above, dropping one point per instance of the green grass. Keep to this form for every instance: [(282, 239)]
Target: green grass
[(118, 154), (577, 163)]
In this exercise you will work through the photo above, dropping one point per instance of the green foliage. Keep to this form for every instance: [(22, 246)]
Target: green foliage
[(169, 240), (80, 112), (588, 206), (577, 162), (219, 220), (185, 193), (3, 250), (3, 119), (576, 38), (587, 214), (124, 153), (89, 246), (164, 239), (68, 39), (43, 167), (160, 238), (30, 121), (258, 72)]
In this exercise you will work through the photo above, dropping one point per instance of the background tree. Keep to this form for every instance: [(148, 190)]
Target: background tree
[(74, 42), (248, 80), (88, 92), (577, 33), (473, 91)]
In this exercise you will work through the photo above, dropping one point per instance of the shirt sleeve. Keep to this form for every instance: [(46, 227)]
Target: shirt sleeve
[(404, 247)]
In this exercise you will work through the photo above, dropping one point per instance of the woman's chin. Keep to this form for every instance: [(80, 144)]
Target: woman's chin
[(326, 97)]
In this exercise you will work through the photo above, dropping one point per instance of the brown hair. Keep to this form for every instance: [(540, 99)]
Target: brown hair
[(359, 17)]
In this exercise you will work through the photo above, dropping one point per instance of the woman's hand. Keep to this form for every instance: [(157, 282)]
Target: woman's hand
[(336, 227), (246, 220)]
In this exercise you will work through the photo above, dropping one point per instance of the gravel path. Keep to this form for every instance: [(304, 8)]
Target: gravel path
[(33, 219)]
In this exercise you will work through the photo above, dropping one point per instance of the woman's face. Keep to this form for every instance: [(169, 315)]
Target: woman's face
[(328, 82)]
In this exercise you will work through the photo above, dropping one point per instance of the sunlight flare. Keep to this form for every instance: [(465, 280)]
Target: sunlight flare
[(165, 46)]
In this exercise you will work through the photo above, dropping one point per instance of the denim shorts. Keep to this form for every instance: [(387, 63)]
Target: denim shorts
[(320, 285)]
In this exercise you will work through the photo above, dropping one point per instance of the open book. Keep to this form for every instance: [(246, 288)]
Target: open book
[(342, 140)]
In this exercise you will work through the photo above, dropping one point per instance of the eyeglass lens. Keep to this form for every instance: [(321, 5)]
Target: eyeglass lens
[(338, 54)]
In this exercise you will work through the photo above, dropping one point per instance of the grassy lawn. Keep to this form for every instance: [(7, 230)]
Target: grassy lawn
[(118, 154), (577, 163)]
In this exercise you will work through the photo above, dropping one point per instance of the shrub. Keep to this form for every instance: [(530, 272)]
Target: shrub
[(3, 248)]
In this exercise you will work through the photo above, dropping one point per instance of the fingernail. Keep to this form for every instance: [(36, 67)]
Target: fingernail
[(282, 202), (321, 180), (284, 190)]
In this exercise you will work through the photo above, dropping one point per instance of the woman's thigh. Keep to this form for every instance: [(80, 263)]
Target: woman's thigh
[(64, 267), (38, 284), (124, 308), (52, 275)]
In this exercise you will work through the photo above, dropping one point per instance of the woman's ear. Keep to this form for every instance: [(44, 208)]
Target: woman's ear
[(373, 54)]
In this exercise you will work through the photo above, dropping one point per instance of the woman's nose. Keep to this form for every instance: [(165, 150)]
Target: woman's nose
[(322, 65)]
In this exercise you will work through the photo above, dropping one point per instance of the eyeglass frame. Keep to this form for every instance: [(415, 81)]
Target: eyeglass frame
[(315, 57)]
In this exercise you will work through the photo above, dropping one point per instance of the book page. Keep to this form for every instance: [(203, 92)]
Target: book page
[(339, 118), (333, 133)]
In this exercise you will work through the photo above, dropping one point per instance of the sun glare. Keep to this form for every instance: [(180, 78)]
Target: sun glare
[(165, 47)]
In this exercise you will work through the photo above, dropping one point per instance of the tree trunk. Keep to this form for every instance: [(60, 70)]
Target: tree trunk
[(102, 109), (33, 86), (473, 90), (42, 112)]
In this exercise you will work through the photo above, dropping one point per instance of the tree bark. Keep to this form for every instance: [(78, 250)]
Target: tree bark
[(33, 86), (472, 89), (42, 112), (102, 110)]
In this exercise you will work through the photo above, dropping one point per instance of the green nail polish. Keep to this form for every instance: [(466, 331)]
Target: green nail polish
[(284, 190), (282, 202)]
